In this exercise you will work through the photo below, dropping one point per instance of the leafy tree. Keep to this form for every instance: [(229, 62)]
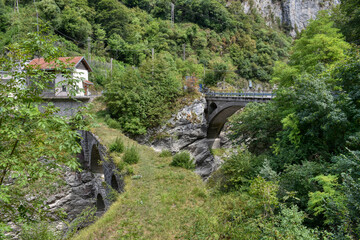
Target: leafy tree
[(113, 16), (4, 18), (315, 125), (288, 224), (206, 13), (316, 117), (49, 9), (346, 166), (219, 70), (319, 44), (330, 201), (140, 98), (284, 73), (350, 22), (295, 178), (257, 126), (34, 144), (236, 172), (74, 24), (265, 194)]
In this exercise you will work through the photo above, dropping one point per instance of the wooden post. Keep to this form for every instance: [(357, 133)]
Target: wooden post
[(184, 51), (111, 66), (153, 58), (89, 48)]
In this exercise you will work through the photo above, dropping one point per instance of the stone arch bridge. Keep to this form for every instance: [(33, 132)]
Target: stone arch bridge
[(94, 158), (221, 105)]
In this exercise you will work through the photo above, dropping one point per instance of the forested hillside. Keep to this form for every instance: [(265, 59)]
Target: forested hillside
[(208, 40), (295, 170), (125, 32), (305, 143)]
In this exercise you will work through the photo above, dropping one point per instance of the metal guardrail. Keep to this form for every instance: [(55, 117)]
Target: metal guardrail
[(241, 94)]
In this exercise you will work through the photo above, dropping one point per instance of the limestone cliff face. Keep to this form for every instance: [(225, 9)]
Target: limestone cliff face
[(292, 14)]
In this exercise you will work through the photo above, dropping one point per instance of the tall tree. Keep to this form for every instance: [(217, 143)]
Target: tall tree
[(350, 22), (34, 142), (320, 45)]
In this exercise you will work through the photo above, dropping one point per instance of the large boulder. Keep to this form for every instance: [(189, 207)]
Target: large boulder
[(186, 130)]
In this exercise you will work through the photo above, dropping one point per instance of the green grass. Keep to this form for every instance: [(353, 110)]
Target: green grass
[(165, 202), (218, 152), (158, 205), (165, 153)]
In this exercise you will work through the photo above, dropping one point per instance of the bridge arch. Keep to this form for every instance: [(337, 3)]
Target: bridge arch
[(219, 116), (100, 204), (114, 183), (221, 105), (212, 107), (95, 160)]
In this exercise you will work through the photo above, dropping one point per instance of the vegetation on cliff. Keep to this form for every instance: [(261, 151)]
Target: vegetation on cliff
[(208, 41)]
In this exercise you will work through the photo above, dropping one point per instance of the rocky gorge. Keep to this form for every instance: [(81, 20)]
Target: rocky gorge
[(187, 130)]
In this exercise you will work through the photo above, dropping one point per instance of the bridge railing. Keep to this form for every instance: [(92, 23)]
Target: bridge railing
[(241, 94)]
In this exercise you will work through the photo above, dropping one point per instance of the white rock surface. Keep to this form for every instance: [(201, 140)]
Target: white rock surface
[(293, 13), (186, 130)]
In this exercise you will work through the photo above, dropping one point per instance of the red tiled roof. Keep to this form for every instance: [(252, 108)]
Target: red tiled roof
[(88, 82), (71, 61)]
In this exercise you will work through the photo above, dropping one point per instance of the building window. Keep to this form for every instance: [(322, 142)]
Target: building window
[(63, 88)]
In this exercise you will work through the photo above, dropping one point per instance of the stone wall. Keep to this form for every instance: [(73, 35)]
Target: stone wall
[(67, 106), (83, 189)]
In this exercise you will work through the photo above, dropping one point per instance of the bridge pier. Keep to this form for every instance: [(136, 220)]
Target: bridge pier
[(214, 143)]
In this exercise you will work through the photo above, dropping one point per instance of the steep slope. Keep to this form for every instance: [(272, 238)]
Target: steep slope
[(159, 202)]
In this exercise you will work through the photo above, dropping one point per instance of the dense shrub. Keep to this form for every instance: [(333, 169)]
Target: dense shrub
[(131, 155), (112, 123), (236, 171), (120, 165), (140, 98), (39, 231), (117, 146), (183, 159), (165, 153), (257, 126)]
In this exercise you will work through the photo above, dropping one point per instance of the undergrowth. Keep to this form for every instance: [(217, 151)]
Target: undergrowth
[(131, 155), (183, 159), (117, 146)]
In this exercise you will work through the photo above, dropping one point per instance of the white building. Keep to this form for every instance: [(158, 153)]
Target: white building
[(81, 72)]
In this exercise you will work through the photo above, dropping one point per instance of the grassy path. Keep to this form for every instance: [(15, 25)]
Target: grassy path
[(162, 204)]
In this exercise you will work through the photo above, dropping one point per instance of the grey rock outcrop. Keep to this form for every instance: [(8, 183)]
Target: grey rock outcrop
[(293, 14), (186, 130), (76, 195)]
